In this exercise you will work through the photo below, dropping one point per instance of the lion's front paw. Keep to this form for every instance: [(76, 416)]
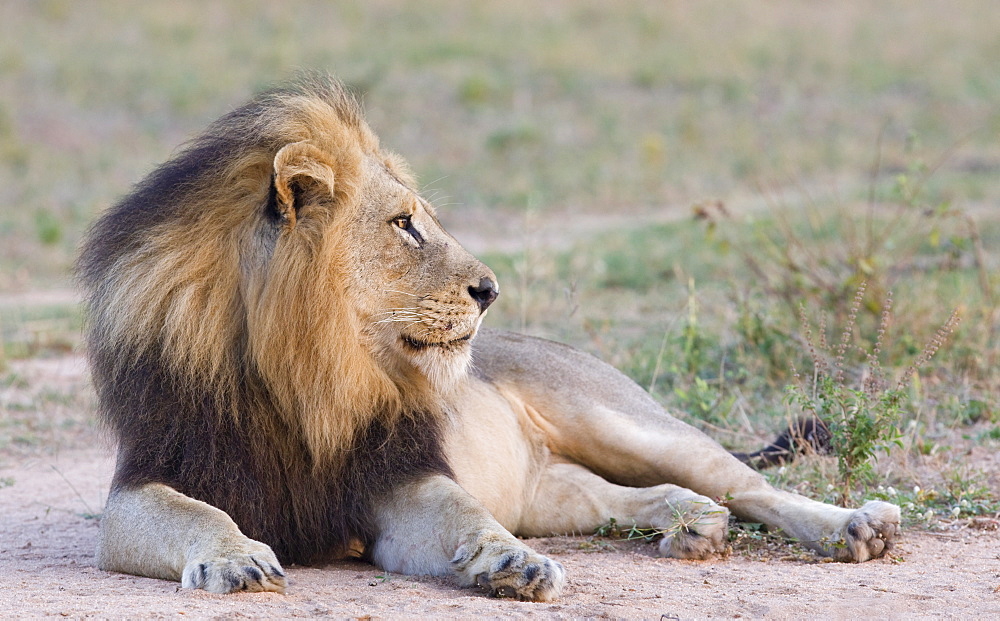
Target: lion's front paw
[(507, 568), (870, 532), (698, 529), (249, 566)]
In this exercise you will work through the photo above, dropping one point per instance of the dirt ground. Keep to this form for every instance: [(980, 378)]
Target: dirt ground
[(48, 532), (48, 539)]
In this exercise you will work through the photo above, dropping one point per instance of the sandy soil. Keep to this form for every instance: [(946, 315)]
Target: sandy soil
[(50, 496)]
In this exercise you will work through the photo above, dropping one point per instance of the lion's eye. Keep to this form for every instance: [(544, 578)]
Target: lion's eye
[(405, 222)]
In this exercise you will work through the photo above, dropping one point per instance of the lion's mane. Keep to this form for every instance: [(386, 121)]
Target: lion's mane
[(225, 359)]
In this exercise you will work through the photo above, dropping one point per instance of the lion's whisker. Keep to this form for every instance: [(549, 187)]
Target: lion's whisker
[(402, 293), (402, 311), (430, 183), (411, 319)]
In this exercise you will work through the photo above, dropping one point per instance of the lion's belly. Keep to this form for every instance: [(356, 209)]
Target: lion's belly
[(495, 450)]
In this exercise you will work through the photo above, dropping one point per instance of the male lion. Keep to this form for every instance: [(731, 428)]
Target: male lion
[(281, 337)]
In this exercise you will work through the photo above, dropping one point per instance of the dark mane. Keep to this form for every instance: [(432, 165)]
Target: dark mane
[(307, 512)]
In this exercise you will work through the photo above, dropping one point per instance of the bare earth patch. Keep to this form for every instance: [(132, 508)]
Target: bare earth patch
[(50, 497)]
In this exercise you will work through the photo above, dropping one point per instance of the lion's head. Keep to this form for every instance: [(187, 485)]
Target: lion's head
[(285, 245)]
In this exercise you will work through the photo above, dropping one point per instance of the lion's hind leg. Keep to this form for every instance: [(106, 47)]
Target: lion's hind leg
[(597, 417), (851, 535), (571, 499)]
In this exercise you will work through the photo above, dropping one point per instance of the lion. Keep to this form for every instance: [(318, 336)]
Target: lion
[(287, 347)]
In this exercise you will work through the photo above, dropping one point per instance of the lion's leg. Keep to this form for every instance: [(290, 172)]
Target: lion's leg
[(865, 533), (640, 453), (432, 526), (571, 499), (155, 531), (595, 416)]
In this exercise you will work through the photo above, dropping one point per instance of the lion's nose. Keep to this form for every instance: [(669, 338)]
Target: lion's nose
[(484, 293)]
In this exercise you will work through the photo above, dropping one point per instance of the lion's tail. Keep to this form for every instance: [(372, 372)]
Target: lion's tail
[(802, 436)]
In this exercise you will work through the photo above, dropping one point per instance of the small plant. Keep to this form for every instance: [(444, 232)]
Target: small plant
[(862, 420), (380, 579), (753, 539), (703, 401), (960, 495), (683, 521), (614, 530), (704, 398), (695, 343)]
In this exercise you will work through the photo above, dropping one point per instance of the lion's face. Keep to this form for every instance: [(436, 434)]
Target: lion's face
[(376, 276), (419, 294)]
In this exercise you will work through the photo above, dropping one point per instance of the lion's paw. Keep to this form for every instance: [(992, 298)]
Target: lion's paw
[(250, 566), (698, 529), (869, 533), (504, 567)]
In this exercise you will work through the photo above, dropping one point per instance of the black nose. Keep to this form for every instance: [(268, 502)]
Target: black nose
[(484, 293)]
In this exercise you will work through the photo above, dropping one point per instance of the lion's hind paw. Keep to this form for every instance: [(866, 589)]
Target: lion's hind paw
[(870, 533), (254, 572), (699, 530)]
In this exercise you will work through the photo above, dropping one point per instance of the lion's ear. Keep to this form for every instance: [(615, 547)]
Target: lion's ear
[(296, 166)]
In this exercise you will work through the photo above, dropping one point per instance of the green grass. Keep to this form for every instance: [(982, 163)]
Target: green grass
[(570, 104)]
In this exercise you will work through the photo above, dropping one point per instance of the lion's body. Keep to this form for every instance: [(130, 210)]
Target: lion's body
[(280, 334)]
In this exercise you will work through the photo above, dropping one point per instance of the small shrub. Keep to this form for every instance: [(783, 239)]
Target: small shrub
[(862, 420), (682, 522)]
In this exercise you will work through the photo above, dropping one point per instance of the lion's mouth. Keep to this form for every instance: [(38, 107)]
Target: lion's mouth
[(418, 344)]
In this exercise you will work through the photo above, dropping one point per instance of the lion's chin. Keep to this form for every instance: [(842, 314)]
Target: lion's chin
[(443, 364), (460, 343)]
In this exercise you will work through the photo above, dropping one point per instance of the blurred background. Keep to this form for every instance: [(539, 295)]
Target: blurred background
[(694, 191)]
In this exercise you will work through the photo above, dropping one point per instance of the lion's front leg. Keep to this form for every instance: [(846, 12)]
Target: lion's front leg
[(433, 526), (155, 531)]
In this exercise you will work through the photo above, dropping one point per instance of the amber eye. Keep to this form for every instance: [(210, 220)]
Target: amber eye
[(405, 222)]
